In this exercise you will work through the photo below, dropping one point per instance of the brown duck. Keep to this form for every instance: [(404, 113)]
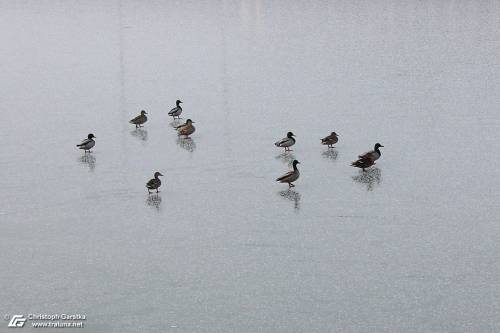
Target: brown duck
[(330, 140)]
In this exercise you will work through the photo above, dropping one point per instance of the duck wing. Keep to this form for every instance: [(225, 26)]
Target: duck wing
[(136, 120), (285, 176), (368, 154), (174, 110), (363, 162), (326, 138), (329, 140), (152, 183), (84, 142), (186, 130), (282, 142)]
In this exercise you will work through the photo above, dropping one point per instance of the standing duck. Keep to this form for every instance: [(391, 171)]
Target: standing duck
[(176, 112), (155, 183), (286, 142), (186, 129), (88, 143), (330, 140), (368, 159), (373, 154), (290, 176), (140, 119)]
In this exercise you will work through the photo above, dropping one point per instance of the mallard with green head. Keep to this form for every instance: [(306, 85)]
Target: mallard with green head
[(286, 142), (373, 154), (176, 112), (290, 176), (88, 143)]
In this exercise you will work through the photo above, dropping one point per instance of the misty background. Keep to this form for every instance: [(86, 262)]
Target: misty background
[(410, 246)]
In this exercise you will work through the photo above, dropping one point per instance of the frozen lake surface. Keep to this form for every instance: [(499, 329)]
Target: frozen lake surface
[(412, 246)]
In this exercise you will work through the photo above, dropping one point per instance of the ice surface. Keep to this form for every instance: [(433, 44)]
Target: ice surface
[(411, 246)]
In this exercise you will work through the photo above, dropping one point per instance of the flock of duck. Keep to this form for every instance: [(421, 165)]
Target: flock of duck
[(363, 161)]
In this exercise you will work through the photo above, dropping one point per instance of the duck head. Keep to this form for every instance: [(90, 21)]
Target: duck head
[(177, 102), (157, 174), (334, 134), (143, 112), (290, 134), (377, 146), (189, 122), (91, 136), (294, 163)]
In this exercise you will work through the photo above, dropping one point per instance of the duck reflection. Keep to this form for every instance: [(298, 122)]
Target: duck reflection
[(154, 200), (140, 133), (330, 154), (369, 177), (186, 143), (88, 160), (286, 158), (291, 195)]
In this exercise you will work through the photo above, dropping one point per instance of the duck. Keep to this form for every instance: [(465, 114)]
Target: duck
[(186, 129), (286, 142), (87, 143), (140, 119), (373, 154), (330, 140), (176, 112), (290, 176), (363, 163), (155, 183)]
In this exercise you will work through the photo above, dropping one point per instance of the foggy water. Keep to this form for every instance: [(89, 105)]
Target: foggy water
[(410, 246)]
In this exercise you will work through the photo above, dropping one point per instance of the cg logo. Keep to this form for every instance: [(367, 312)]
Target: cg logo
[(17, 321)]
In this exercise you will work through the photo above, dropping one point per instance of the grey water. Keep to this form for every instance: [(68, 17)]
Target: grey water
[(409, 246)]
